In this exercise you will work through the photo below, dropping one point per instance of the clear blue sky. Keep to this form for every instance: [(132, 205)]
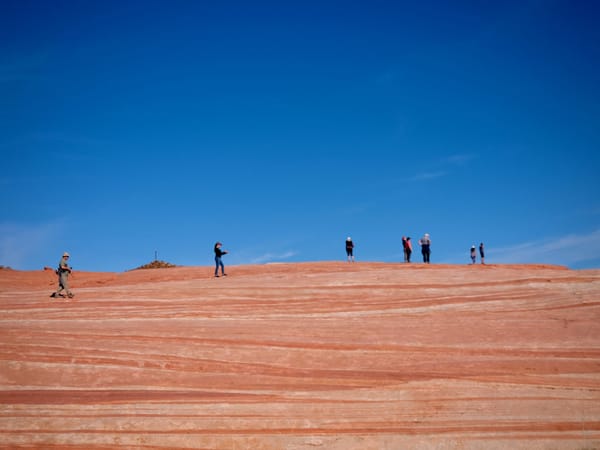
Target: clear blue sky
[(281, 128)]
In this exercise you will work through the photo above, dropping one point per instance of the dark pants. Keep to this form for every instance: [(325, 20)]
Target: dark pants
[(426, 252)]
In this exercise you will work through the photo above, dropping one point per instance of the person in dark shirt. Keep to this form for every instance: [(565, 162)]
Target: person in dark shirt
[(350, 249), (218, 261), (425, 243), (482, 253)]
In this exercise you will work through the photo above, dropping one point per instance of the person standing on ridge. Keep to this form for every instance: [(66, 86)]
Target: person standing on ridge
[(350, 249), (425, 243), (218, 261), (63, 273), (405, 248), (408, 249), (481, 253), (473, 254)]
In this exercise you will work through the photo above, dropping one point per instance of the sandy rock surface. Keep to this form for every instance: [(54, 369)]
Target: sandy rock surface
[(303, 356)]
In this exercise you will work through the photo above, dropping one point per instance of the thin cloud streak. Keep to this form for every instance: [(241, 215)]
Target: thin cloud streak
[(566, 250), (446, 165), (19, 244), (425, 176), (270, 257)]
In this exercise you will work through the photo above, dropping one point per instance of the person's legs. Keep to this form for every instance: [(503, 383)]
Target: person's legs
[(64, 281), (61, 285), (217, 262)]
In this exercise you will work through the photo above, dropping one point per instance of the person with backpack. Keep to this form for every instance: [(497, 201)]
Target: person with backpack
[(63, 273), (218, 261)]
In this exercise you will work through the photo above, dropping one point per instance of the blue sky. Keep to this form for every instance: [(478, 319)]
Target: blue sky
[(280, 128)]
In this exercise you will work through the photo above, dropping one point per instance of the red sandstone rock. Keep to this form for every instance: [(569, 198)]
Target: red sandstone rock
[(303, 356)]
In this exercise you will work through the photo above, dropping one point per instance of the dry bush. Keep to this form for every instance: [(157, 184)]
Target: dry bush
[(156, 265)]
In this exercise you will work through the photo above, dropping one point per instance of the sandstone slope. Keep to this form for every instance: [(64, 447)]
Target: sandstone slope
[(303, 356)]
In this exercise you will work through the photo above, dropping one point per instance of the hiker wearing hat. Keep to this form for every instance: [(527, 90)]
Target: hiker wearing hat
[(63, 273), (218, 260), (425, 243), (350, 249)]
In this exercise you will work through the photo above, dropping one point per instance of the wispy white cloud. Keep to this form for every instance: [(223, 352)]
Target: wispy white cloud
[(20, 244), (443, 167), (426, 176), (270, 257), (566, 250)]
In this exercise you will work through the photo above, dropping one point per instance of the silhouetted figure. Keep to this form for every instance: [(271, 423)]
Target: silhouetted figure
[(473, 254), (218, 261), (425, 243), (482, 253), (350, 249), (407, 250)]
